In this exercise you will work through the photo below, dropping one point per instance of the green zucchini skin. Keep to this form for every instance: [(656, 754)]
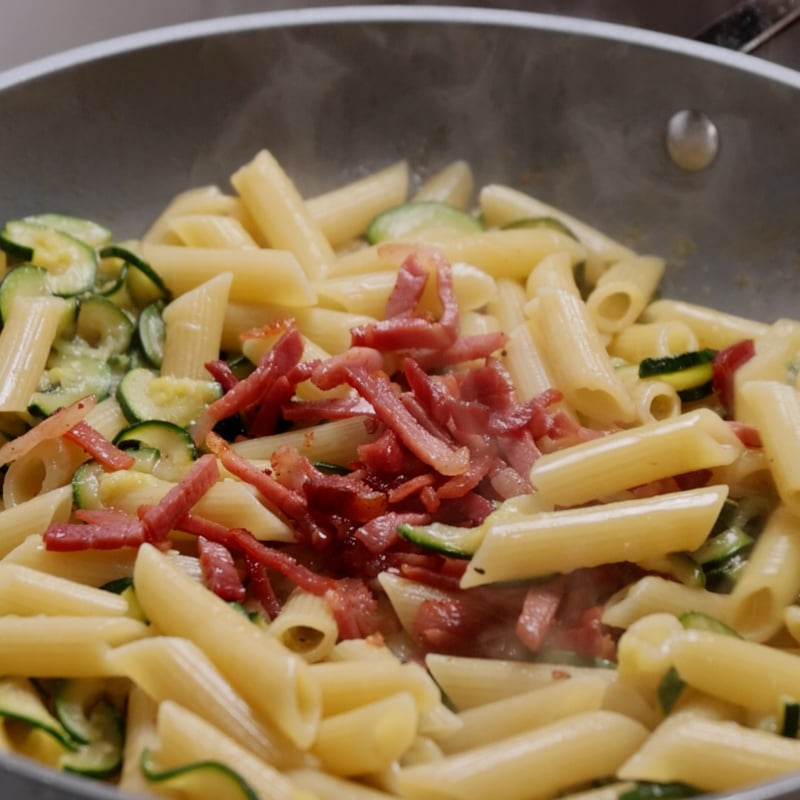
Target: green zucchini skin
[(412, 219)]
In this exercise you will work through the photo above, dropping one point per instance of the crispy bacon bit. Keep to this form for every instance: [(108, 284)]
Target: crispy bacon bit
[(261, 587), (243, 542), (99, 447), (354, 609), (436, 452), (52, 427), (219, 571), (246, 393), (99, 529), (725, 364), (748, 435), (291, 504), (539, 611), (160, 519)]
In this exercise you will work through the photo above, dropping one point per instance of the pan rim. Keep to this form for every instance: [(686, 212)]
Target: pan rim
[(388, 14)]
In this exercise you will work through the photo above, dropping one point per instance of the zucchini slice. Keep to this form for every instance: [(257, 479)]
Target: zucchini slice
[(101, 756), (85, 230), (216, 778), (71, 265), (412, 220), (68, 379), (19, 700), (721, 546), (690, 373), (151, 332), (144, 283), (104, 326), (698, 621), (447, 540), (541, 222), (23, 281), (145, 395), (173, 446), (670, 688), (789, 718), (647, 790)]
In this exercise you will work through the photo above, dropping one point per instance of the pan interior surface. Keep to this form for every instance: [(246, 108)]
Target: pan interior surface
[(574, 114)]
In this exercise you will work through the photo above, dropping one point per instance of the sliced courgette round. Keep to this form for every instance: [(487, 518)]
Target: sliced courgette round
[(447, 540), (541, 222), (85, 230), (67, 379), (174, 448), (144, 395), (151, 332), (100, 756), (71, 265), (412, 220), (22, 281), (690, 373), (698, 621), (216, 778), (19, 700), (144, 284), (104, 326)]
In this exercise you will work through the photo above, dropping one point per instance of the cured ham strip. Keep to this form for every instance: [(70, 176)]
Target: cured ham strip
[(222, 374), (219, 571), (539, 610), (333, 408), (99, 447), (242, 541), (408, 332), (276, 362), (408, 288), (465, 348), (379, 534), (290, 503), (331, 373), (261, 587), (52, 427), (98, 529), (430, 449), (724, 365), (160, 519), (354, 608)]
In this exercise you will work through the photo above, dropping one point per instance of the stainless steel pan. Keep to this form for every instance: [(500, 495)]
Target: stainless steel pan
[(574, 112)]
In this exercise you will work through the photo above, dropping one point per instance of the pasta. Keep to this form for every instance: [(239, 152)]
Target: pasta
[(406, 489)]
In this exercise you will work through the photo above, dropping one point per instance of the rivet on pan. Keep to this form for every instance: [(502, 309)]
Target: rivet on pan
[(692, 140)]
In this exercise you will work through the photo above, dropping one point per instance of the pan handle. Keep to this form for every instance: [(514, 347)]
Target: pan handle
[(750, 24)]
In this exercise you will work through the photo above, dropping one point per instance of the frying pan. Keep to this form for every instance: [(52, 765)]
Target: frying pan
[(574, 112)]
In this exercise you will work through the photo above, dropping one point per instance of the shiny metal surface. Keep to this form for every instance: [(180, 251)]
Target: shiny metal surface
[(572, 111)]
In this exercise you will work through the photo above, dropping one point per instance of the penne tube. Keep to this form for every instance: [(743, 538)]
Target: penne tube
[(774, 408), (622, 292), (211, 230), (331, 787), (369, 293), (655, 400), (345, 685), (282, 689), (562, 541), (63, 647), (452, 184), (653, 594), (471, 682), (185, 738), (712, 328), (502, 205), (368, 738), (305, 626), (536, 764), (712, 755), (552, 272), (259, 276), (25, 341), (343, 214), (25, 592), (652, 340), (750, 674), (281, 214), (576, 357), (770, 580), (29, 518), (193, 324), (523, 712), (526, 365), (602, 467), (501, 254), (140, 735), (175, 669)]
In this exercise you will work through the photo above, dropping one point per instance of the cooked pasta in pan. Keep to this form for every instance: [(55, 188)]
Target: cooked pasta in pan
[(398, 491)]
